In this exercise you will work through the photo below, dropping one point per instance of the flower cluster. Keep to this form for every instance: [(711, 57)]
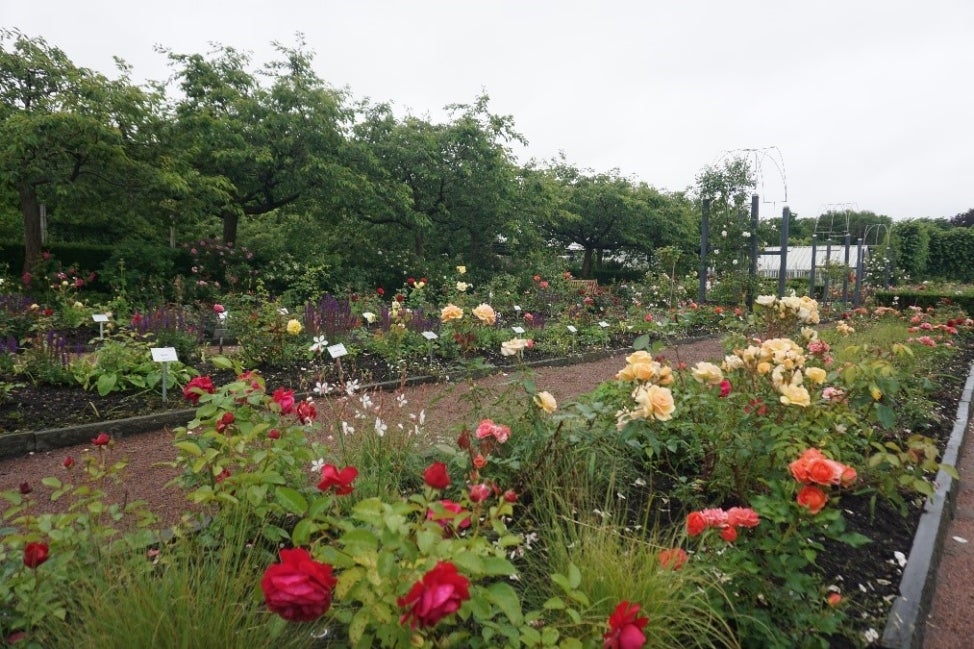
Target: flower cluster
[(803, 309), (653, 399), (814, 470), (727, 521), (782, 359)]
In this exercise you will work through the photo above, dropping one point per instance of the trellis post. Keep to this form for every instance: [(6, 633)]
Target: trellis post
[(704, 235), (783, 268)]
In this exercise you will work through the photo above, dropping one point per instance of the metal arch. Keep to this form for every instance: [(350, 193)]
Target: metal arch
[(757, 154)]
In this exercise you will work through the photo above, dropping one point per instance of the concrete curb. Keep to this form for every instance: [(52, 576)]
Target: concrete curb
[(905, 624), (22, 443)]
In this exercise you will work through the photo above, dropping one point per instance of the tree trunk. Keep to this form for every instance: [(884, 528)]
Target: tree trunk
[(419, 243), (587, 264), (31, 209), (230, 220)]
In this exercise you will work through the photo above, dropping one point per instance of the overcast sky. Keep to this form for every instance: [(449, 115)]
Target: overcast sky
[(860, 104)]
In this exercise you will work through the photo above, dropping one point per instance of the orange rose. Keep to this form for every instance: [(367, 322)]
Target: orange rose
[(812, 498)]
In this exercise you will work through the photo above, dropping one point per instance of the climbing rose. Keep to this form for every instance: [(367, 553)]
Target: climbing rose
[(439, 593), (299, 589), (338, 481), (625, 629)]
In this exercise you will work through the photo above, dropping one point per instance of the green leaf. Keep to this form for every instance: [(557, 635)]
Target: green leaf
[(885, 415), (190, 447), (292, 500), (950, 470), (506, 599), (106, 383), (574, 576), (222, 362), (51, 482), (554, 604)]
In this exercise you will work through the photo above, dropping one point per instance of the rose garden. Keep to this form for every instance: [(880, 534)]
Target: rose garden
[(756, 498)]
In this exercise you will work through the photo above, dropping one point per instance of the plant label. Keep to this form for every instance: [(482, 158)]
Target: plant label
[(337, 351), (430, 335), (164, 354)]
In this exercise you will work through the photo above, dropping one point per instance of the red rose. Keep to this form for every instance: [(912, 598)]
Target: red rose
[(625, 629), (451, 510), (479, 493), (436, 476), (273, 433), (299, 589), (306, 412), (35, 554), (380, 291), (338, 481), (812, 498), (25, 488), (725, 388), (224, 422), (510, 496), (285, 399), (543, 284), (218, 308), (672, 558), (729, 534), (439, 593), (101, 440), (400, 297), (410, 281), (199, 385), (68, 462), (696, 523)]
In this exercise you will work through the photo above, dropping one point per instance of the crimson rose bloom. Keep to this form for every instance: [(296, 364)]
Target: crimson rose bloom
[(101, 440), (193, 390), (338, 481), (625, 629), (450, 514), (439, 593), (299, 589), (285, 399), (696, 523), (436, 476), (35, 554), (224, 422), (306, 412)]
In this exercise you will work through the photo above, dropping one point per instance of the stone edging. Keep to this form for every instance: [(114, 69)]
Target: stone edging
[(906, 622), (22, 443)]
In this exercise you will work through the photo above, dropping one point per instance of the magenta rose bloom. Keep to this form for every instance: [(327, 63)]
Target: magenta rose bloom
[(625, 629), (306, 412), (285, 399), (299, 589), (439, 593), (35, 554), (436, 476), (193, 390), (101, 440)]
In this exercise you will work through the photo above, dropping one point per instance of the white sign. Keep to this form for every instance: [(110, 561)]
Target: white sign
[(518, 330), (604, 324), (164, 354), (517, 308), (430, 335), (572, 328), (337, 351), (99, 317)]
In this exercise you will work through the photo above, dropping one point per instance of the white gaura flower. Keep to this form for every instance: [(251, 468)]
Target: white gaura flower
[(317, 465), (401, 400), (322, 388), (380, 427), (368, 316), (351, 387), (318, 344), (347, 429)]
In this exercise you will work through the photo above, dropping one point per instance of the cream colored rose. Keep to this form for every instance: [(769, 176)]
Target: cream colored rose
[(816, 375), (655, 402), (707, 373), (765, 300), (294, 327), (462, 286), (794, 395), (732, 362), (546, 401), (462, 270), (485, 313), (513, 346), (450, 312)]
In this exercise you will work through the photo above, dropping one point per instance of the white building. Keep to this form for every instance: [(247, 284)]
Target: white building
[(799, 259)]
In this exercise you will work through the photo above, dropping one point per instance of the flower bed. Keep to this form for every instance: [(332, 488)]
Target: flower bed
[(696, 506)]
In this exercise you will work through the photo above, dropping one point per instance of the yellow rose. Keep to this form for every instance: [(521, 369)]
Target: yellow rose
[(294, 327), (485, 313), (655, 402), (450, 312), (462, 286), (876, 393), (462, 270), (816, 375), (794, 395), (707, 373), (546, 401)]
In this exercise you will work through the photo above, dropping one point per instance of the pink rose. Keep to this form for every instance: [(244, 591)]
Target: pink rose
[(285, 399), (625, 629)]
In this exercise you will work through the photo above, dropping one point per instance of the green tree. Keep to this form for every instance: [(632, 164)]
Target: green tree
[(911, 247), (64, 130), (257, 148)]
